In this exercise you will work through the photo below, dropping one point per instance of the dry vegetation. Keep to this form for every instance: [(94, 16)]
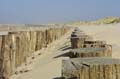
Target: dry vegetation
[(107, 20)]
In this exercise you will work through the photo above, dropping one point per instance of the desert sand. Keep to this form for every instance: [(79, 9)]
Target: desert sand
[(109, 33), (48, 66)]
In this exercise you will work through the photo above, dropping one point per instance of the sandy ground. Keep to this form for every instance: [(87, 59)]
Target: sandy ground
[(109, 33), (46, 66)]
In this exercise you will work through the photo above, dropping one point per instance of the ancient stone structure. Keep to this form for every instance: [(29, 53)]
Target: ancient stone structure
[(91, 68), (18, 44)]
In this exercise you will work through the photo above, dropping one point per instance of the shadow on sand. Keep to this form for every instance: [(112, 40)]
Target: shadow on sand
[(66, 51), (67, 54), (64, 78), (58, 78), (65, 47)]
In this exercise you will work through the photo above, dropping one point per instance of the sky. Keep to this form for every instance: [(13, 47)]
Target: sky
[(55, 11)]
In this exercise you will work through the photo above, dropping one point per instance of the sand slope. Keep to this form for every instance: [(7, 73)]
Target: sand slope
[(109, 33)]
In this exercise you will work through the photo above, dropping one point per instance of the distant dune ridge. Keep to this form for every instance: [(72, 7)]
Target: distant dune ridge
[(106, 20)]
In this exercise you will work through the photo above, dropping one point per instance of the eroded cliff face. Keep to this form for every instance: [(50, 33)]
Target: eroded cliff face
[(17, 46)]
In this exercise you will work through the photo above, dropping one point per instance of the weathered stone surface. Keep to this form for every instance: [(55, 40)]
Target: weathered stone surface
[(91, 68)]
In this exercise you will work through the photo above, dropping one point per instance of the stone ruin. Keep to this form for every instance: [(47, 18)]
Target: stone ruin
[(90, 59)]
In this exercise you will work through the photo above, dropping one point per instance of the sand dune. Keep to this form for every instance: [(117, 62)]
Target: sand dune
[(109, 33)]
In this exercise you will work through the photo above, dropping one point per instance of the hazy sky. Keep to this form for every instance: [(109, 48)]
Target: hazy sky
[(55, 11)]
